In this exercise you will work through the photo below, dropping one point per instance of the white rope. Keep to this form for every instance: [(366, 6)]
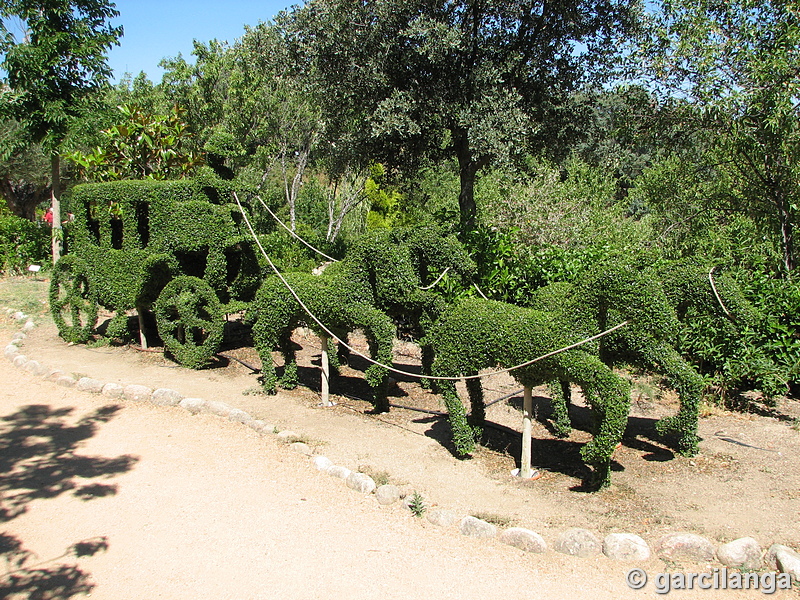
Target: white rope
[(387, 367), (479, 291), (282, 224), (438, 279), (716, 294)]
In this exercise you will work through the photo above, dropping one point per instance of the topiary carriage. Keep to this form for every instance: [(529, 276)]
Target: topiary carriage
[(171, 246)]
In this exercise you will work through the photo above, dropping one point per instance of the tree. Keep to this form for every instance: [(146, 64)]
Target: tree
[(404, 80), (59, 63), (737, 64), (23, 171)]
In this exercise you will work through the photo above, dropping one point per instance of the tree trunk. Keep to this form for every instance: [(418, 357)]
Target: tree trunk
[(787, 234), (22, 197), (468, 168), (55, 200)]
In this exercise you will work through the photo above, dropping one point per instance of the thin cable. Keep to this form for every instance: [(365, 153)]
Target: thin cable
[(387, 367), (438, 279), (282, 224), (479, 291), (716, 295)]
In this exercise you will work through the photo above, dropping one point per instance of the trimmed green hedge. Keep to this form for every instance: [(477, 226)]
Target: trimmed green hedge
[(136, 236), (380, 279), (477, 334)]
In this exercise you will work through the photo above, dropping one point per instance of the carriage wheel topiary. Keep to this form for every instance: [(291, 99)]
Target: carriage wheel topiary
[(189, 318), (73, 300)]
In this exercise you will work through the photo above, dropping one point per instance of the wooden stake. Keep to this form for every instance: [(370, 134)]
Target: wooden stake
[(142, 337), (525, 470), (323, 339)]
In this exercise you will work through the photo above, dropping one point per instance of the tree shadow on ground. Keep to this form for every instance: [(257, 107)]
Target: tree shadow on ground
[(38, 461), (38, 457)]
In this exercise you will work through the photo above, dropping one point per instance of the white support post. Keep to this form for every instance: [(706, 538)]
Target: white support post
[(324, 364), (525, 470), (142, 337)]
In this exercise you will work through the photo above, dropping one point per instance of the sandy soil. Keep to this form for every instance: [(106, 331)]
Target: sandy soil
[(188, 506)]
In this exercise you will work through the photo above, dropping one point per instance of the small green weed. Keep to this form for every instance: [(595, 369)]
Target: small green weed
[(417, 505)]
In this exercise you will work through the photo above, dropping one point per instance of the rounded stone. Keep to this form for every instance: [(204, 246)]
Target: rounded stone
[(87, 384), (744, 552), (28, 325), (260, 426), (54, 374), (338, 471), (387, 494), (10, 351), (18, 316), (475, 527), (361, 482), (217, 408), (784, 559), (302, 448), (524, 539), (685, 546), (239, 416), (441, 517), (66, 381), (288, 436), (16, 342), (36, 368), (20, 360), (578, 542), (166, 397), (321, 463), (625, 546), (19, 336), (112, 390), (193, 405), (137, 393)]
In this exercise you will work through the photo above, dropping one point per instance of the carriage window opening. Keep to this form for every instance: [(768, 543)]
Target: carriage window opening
[(93, 226), (116, 234), (193, 262), (143, 223)]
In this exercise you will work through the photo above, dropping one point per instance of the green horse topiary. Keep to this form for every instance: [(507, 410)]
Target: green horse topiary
[(477, 334), (381, 279)]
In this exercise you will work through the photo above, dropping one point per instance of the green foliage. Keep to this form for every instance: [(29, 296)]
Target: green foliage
[(380, 278), (143, 146), (417, 505), (136, 236), (22, 243), (73, 299)]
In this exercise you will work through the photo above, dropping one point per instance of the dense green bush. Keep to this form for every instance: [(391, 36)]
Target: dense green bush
[(22, 243)]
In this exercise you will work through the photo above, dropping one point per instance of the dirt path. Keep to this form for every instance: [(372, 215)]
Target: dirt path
[(196, 507)]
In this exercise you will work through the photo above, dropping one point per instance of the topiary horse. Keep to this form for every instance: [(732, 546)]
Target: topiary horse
[(476, 334), (381, 278)]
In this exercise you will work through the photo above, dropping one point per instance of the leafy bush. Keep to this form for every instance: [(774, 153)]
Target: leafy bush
[(22, 243)]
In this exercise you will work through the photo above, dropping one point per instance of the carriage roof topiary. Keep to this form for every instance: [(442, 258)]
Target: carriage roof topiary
[(174, 246)]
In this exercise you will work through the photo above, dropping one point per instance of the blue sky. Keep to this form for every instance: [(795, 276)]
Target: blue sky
[(155, 30)]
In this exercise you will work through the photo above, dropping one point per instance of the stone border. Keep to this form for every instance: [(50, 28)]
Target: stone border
[(744, 552)]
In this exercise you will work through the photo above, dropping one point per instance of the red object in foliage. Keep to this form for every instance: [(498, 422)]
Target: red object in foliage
[(48, 217)]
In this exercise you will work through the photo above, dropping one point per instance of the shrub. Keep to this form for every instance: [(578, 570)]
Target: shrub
[(22, 243)]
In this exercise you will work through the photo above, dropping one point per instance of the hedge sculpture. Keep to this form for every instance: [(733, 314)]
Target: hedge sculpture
[(687, 289), (129, 239), (379, 280), (477, 334)]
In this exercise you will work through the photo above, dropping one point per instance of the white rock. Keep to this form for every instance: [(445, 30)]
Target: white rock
[(10, 351), (193, 405), (302, 448), (625, 546), (474, 527), (387, 494), (166, 397), (36, 368), (260, 426), (66, 381), (239, 416), (288, 436), (578, 542), (524, 539), (112, 390), (744, 552), (19, 336), (20, 360), (784, 559), (338, 471), (361, 482), (87, 384), (137, 393), (18, 316), (321, 463), (685, 546), (217, 408), (28, 325), (442, 517)]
